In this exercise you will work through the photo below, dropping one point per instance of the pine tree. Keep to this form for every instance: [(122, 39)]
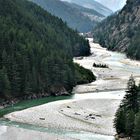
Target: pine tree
[(129, 126), (136, 135), (36, 51), (127, 121), (130, 100), (138, 98), (120, 121)]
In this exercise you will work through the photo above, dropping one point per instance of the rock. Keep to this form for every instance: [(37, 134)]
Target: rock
[(90, 115), (42, 119), (92, 118), (98, 116), (58, 90), (68, 107)]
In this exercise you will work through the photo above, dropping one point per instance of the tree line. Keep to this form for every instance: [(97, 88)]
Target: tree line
[(127, 120)]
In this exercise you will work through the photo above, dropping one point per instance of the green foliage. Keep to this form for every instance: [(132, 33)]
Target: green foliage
[(83, 75), (129, 127), (127, 116), (4, 84), (120, 121), (130, 100), (136, 135), (134, 47), (36, 50)]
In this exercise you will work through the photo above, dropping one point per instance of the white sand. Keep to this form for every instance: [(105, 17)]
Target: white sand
[(73, 115)]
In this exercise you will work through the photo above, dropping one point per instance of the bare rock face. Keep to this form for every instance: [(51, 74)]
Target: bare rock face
[(58, 90), (121, 31)]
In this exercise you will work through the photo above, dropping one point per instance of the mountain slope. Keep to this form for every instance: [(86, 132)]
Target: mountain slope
[(92, 14), (74, 17), (121, 31), (92, 4), (36, 52)]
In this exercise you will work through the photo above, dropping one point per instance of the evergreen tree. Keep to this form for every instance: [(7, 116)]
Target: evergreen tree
[(4, 84), (36, 51), (127, 118), (136, 135), (129, 126), (130, 100), (120, 121)]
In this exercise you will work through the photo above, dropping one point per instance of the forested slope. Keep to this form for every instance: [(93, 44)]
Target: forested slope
[(127, 119), (121, 31), (36, 52)]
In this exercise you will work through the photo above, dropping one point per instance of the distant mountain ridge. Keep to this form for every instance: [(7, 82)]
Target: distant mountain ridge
[(92, 14), (121, 31), (77, 17), (92, 4), (114, 5)]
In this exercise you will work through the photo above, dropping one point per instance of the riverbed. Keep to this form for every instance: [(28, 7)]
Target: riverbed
[(87, 115)]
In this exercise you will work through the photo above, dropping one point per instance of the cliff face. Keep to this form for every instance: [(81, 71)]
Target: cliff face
[(121, 31)]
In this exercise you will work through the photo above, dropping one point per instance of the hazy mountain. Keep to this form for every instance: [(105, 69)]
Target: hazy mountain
[(92, 14), (92, 4), (121, 31), (77, 17), (114, 5)]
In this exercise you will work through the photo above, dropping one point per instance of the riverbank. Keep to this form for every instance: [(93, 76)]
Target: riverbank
[(113, 78), (93, 115)]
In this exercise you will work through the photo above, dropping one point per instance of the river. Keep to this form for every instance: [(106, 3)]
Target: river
[(110, 85)]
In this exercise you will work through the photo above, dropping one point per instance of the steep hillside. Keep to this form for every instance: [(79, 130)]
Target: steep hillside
[(36, 52), (121, 31), (73, 15), (92, 4)]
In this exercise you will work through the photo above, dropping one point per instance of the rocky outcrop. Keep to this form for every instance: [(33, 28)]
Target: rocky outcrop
[(58, 91)]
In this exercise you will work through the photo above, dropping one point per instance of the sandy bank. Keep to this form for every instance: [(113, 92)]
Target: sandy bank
[(108, 79), (92, 115)]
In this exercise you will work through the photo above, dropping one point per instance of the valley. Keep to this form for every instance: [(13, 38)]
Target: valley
[(69, 70), (72, 116)]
